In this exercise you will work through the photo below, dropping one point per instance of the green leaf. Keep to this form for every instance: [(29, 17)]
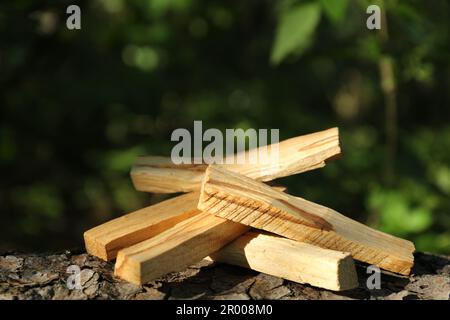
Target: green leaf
[(397, 214), (295, 30), (334, 9)]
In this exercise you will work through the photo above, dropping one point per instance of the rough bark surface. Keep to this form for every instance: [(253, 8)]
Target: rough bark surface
[(24, 276)]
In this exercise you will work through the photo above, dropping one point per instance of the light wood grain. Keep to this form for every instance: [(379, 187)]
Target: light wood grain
[(106, 239), (296, 155), (291, 260), (238, 198), (176, 248), (103, 241)]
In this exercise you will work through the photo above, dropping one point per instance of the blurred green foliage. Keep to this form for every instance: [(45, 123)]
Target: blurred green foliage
[(78, 106)]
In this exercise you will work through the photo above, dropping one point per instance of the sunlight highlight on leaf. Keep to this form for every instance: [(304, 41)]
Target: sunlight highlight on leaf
[(295, 30), (334, 9)]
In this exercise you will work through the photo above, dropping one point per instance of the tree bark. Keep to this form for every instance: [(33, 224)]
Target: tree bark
[(44, 276)]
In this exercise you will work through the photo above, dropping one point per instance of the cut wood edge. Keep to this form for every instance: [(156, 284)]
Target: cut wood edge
[(105, 240), (290, 260), (240, 199), (295, 155)]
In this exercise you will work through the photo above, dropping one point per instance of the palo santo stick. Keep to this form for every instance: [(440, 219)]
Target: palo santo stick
[(105, 240), (236, 197), (161, 175), (291, 260), (295, 155), (176, 248)]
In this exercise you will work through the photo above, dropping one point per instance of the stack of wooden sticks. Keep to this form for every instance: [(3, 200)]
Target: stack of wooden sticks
[(229, 214)]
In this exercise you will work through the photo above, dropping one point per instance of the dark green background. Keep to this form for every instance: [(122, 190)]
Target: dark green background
[(78, 106)]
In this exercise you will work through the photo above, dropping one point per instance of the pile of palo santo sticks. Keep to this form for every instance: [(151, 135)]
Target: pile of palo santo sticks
[(230, 215)]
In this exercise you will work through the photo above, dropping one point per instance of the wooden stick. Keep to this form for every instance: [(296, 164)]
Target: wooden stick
[(105, 240), (161, 175), (296, 155), (176, 248), (241, 199), (291, 260)]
